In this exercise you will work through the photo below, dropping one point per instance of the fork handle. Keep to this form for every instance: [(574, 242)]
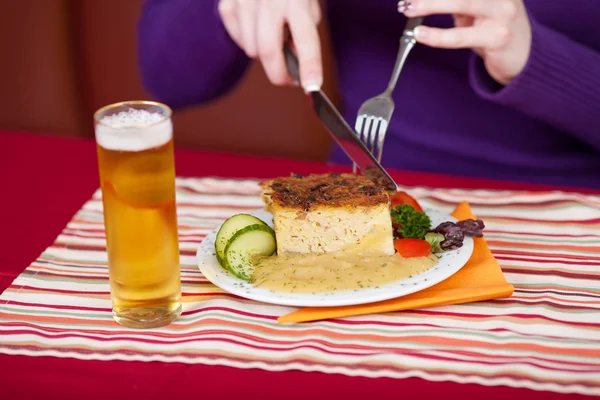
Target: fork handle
[(407, 42)]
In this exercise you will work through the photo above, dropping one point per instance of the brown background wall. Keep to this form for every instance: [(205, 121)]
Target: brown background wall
[(63, 59)]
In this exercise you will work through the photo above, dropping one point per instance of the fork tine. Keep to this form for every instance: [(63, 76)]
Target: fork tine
[(373, 133), (358, 128), (380, 138), (366, 132), (360, 120)]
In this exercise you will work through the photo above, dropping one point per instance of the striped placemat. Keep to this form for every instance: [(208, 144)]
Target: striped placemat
[(545, 337)]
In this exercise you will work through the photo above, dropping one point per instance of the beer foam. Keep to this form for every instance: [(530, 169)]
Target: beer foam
[(133, 130)]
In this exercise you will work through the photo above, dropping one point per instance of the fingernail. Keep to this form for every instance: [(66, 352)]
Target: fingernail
[(312, 85), (404, 6), (420, 33)]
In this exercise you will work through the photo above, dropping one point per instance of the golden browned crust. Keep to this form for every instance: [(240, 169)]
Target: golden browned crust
[(331, 190)]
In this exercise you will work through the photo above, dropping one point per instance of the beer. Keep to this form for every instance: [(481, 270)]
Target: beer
[(137, 175)]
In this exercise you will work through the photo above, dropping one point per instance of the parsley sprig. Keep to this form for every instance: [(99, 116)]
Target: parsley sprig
[(409, 223)]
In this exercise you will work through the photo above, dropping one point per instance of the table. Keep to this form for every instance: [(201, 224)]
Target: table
[(64, 170)]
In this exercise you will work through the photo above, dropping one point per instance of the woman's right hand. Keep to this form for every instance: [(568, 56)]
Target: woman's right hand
[(258, 27)]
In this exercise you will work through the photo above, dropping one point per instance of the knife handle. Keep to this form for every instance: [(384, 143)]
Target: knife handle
[(291, 61)]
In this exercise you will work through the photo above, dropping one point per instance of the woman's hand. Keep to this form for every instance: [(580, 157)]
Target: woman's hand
[(257, 26), (497, 30)]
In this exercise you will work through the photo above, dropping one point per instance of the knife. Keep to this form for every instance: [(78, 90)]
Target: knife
[(340, 131)]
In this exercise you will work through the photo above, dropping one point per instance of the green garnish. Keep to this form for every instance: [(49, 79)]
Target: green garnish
[(434, 240), (410, 223)]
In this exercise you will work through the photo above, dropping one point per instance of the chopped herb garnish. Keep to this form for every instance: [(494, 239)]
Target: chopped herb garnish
[(409, 223)]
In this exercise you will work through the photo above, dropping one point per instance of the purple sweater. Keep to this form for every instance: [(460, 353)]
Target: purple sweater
[(450, 117)]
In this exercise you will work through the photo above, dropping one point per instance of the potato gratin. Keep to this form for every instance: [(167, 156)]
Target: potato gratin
[(329, 213)]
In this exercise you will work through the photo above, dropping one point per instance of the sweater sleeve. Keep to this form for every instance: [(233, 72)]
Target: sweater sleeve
[(186, 56), (559, 85)]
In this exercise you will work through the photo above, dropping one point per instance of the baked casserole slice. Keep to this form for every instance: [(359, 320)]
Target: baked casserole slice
[(326, 213)]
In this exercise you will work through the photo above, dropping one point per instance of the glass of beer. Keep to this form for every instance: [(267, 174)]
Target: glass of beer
[(137, 176)]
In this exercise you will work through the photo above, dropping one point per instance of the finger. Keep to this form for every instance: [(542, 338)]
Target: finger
[(315, 11), (247, 11), (228, 13), (490, 37), (269, 40), (497, 9), (308, 45), (461, 21)]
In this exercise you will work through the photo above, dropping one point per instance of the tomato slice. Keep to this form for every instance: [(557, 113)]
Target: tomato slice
[(405, 198), (412, 247)]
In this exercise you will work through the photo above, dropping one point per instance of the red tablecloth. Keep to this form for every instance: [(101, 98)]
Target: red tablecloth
[(45, 180)]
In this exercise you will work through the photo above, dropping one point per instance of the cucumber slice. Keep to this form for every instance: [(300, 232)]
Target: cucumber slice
[(229, 228), (250, 241)]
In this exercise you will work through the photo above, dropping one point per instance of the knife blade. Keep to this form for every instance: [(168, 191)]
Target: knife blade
[(340, 131)]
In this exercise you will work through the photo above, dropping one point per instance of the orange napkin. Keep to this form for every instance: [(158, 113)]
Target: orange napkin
[(480, 279)]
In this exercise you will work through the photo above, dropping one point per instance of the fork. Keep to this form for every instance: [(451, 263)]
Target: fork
[(374, 115)]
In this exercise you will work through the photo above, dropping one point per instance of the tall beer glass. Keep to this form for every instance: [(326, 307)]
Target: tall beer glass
[(137, 175)]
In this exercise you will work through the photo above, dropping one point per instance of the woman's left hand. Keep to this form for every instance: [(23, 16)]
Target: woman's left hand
[(499, 31)]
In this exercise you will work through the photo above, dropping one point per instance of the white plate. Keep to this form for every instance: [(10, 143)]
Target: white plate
[(449, 263)]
